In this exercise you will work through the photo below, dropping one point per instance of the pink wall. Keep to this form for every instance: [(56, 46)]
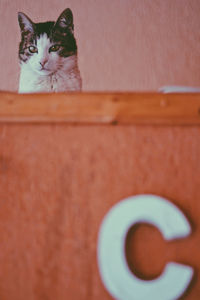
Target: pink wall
[(123, 44)]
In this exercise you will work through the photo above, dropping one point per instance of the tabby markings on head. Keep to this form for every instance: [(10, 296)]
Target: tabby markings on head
[(46, 42), (48, 55)]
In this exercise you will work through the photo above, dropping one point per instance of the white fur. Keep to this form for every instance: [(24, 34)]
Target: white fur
[(59, 74)]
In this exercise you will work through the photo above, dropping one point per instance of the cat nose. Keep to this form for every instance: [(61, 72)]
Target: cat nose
[(42, 63)]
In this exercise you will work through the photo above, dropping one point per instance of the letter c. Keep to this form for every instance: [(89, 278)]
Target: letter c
[(121, 283)]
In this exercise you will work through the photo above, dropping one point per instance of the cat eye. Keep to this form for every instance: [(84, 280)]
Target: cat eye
[(33, 49), (54, 48)]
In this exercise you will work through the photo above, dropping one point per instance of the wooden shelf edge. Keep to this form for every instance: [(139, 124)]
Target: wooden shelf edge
[(101, 108)]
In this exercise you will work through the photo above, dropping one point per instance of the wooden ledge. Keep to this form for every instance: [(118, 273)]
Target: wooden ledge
[(101, 108)]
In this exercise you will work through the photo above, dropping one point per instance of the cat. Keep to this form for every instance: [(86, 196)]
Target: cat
[(48, 55)]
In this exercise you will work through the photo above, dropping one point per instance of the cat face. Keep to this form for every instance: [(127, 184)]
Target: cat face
[(47, 47)]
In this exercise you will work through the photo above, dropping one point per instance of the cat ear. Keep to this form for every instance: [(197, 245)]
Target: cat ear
[(26, 25), (65, 20)]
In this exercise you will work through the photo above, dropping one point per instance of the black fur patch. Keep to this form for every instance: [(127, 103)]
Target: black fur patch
[(59, 32), (46, 27)]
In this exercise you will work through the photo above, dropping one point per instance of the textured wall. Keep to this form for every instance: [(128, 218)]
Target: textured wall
[(123, 44), (57, 182)]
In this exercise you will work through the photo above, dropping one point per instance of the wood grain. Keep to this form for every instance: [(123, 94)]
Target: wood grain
[(101, 108)]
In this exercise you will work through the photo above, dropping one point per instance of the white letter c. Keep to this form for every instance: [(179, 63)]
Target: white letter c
[(115, 273)]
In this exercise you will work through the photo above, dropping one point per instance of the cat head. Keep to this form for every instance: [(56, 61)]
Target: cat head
[(46, 47)]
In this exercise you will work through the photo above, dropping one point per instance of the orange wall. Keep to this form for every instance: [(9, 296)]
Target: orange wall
[(123, 44), (58, 181)]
